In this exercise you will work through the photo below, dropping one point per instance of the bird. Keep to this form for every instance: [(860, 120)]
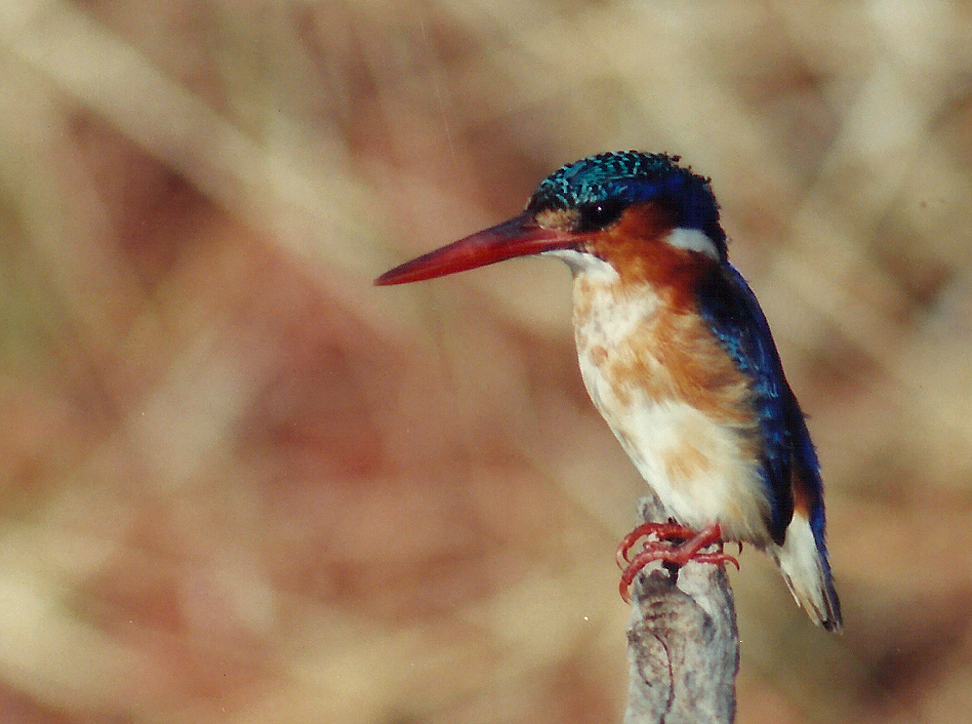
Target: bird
[(677, 356)]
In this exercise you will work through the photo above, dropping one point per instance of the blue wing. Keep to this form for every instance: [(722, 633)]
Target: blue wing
[(791, 472), (730, 307)]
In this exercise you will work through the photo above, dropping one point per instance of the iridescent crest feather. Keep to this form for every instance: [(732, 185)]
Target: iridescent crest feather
[(632, 177)]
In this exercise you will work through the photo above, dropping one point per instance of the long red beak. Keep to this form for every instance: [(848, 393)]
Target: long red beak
[(520, 236)]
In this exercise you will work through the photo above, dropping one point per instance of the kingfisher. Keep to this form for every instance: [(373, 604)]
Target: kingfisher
[(678, 358)]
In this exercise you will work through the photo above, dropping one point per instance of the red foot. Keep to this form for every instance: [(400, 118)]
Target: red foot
[(662, 550), (662, 531)]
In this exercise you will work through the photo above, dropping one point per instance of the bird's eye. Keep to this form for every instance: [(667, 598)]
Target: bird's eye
[(599, 215)]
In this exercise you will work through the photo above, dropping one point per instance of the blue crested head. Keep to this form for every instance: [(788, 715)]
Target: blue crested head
[(647, 197), (610, 182)]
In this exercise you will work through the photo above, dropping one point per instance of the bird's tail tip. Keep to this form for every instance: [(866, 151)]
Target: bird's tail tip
[(807, 574)]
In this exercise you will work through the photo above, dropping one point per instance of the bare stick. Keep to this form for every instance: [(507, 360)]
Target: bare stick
[(682, 643)]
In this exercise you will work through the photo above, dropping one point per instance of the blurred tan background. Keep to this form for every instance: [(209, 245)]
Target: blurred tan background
[(240, 484)]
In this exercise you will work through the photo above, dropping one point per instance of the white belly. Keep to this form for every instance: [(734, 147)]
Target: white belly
[(702, 469)]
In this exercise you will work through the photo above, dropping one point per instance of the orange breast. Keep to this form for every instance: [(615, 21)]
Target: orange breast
[(675, 399), (668, 354)]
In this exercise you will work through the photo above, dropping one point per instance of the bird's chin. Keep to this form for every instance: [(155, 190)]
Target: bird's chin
[(581, 262)]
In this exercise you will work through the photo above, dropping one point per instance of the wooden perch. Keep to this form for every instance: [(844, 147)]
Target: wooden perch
[(683, 645)]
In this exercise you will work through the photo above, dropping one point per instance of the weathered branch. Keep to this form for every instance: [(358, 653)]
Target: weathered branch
[(682, 643)]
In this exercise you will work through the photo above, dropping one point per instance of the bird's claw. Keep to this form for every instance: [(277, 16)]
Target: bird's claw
[(659, 531), (660, 549)]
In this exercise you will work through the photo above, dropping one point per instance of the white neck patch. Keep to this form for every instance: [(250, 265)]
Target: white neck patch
[(580, 262), (692, 240)]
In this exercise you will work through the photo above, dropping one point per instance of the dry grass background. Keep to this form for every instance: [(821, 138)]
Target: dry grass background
[(239, 484)]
